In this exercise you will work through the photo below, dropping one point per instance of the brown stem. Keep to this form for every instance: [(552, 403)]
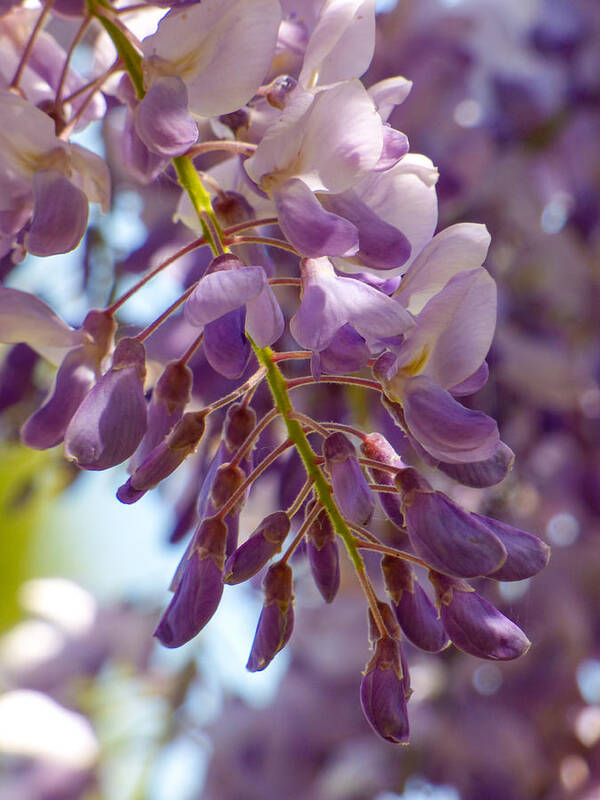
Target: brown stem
[(310, 381), (143, 281), (143, 335), (191, 349), (252, 381), (231, 146), (300, 498), (65, 70), (303, 528), (14, 84), (266, 240)]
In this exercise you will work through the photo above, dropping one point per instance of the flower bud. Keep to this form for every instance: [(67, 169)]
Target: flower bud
[(474, 625), (239, 424), (265, 542), (527, 554), (199, 586), (443, 534), (276, 620), (377, 448), (323, 555), (165, 458), (228, 479), (350, 489), (417, 615), (170, 396), (111, 421), (383, 692)]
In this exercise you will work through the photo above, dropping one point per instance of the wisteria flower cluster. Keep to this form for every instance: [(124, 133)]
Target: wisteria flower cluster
[(291, 176)]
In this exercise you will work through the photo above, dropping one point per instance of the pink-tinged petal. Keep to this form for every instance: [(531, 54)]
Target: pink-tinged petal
[(451, 540), (163, 121), (446, 429), (381, 246), (221, 49), (395, 147), (223, 291), (111, 421), (480, 474), (458, 248), (264, 320), (60, 215), (342, 43), (476, 626), (471, 384), (377, 448), (454, 331), (309, 227), (25, 318), (75, 377), (405, 198), (225, 345), (389, 93), (527, 555)]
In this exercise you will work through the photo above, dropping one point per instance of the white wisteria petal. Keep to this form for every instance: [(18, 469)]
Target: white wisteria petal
[(328, 139), (389, 93), (454, 331), (221, 49), (342, 43), (25, 318), (459, 248)]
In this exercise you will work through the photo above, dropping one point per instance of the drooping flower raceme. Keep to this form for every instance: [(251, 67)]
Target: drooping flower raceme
[(304, 184)]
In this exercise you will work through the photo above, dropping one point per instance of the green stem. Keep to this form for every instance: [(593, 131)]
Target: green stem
[(200, 198), (132, 59), (282, 401)]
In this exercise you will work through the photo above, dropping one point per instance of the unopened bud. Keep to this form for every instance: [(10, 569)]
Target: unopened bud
[(228, 479), (350, 488), (265, 542), (276, 620)]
